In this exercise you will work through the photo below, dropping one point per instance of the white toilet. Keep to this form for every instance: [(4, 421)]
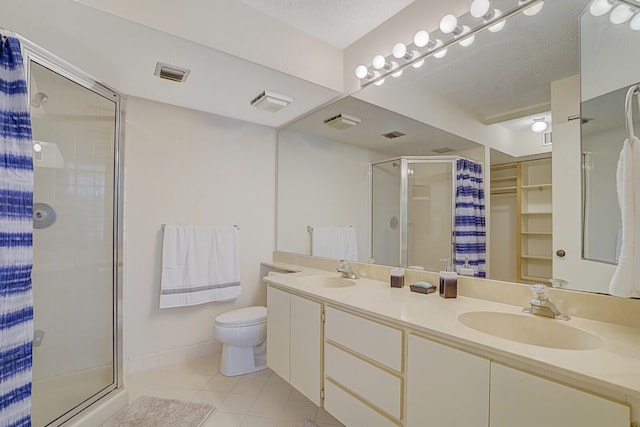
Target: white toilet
[(243, 334)]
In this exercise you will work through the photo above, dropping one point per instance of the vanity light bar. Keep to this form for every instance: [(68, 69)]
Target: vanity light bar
[(417, 52)]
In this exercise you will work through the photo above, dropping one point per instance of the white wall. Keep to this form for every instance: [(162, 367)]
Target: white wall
[(190, 168), (321, 183)]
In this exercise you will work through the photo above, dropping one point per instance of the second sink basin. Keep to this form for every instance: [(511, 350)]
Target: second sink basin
[(529, 329), (329, 281)]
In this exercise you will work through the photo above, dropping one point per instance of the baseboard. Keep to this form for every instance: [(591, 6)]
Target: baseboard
[(156, 360)]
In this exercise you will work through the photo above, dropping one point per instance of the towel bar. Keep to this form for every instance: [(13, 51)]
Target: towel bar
[(162, 226)]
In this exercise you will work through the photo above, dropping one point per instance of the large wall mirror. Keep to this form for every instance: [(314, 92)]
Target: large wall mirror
[(607, 71), (478, 102)]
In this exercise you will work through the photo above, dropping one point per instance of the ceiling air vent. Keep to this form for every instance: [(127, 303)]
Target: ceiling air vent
[(546, 138), (342, 121), (171, 72), (270, 101), (394, 134), (443, 150)]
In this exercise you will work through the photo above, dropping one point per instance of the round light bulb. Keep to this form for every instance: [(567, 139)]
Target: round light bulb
[(448, 23), (417, 64), (500, 25), (379, 82), (399, 50), (620, 14), (479, 8), (468, 41), (533, 10), (361, 71), (442, 53), (37, 147), (600, 7), (397, 73), (635, 23), (539, 125), (421, 38), (378, 62)]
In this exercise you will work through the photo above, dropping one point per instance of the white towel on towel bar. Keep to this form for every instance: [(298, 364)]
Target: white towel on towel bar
[(626, 279), (199, 265), (335, 242)]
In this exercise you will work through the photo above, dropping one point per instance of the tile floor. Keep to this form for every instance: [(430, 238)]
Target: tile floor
[(261, 399)]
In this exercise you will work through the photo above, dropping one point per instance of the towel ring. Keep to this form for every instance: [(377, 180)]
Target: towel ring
[(628, 109)]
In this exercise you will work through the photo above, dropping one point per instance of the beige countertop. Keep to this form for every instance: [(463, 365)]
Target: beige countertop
[(613, 369)]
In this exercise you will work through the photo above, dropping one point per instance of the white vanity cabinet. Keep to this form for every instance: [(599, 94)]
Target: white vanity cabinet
[(362, 370), (522, 399), (294, 341), (445, 386)]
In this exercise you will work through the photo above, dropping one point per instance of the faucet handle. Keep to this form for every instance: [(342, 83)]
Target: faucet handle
[(539, 292)]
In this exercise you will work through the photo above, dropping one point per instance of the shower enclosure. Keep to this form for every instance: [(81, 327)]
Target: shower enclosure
[(76, 238), (412, 211)]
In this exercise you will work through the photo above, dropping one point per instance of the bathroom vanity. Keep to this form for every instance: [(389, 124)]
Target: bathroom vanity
[(380, 356)]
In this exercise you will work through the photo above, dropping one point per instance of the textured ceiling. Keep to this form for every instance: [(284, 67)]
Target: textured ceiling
[(337, 22)]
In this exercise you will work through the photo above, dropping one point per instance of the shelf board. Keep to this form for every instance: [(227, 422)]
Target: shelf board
[(535, 186), (537, 257), (503, 190), (504, 178), (537, 233), (536, 213), (535, 279), (503, 167)]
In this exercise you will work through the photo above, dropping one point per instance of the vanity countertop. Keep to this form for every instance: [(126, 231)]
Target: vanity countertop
[(615, 367)]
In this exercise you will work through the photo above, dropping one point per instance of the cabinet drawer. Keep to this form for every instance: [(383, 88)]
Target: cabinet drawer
[(369, 382), (350, 411), (373, 340)]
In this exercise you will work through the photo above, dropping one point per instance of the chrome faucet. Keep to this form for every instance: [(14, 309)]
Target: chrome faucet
[(541, 306), (345, 270)]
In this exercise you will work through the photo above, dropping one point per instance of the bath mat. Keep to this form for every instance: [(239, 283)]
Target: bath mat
[(155, 412)]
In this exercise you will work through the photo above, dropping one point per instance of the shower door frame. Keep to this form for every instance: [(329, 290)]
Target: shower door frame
[(32, 52), (403, 256)]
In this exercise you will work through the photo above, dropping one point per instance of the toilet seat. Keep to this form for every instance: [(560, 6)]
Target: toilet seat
[(243, 317)]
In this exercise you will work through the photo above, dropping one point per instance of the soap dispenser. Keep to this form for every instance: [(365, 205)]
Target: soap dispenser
[(448, 281), (466, 269)]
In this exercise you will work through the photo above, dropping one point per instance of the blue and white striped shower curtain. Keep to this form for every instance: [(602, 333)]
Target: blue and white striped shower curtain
[(16, 250), (469, 229)]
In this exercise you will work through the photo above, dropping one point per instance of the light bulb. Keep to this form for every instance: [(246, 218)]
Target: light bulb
[(399, 50), (379, 82), (620, 14), (448, 24), (397, 73), (361, 71), (417, 64), (479, 8), (442, 53), (468, 41), (539, 125), (532, 10), (600, 7), (635, 23), (37, 147), (378, 62), (421, 38), (500, 25)]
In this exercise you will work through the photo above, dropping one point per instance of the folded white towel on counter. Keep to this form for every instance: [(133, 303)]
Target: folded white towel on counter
[(199, 265), (335, 242), (626, 279)]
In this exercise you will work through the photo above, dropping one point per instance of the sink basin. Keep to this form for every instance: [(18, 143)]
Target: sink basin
[(529, 329), (329, 281)]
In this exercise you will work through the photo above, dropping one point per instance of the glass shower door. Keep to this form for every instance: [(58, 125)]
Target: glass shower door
[(74, 131), (386, 185)]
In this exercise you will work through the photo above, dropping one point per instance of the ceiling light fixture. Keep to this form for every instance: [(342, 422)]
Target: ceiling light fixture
[(620, 14), (635, 22), (539, 125), (532, 10), (270, 101), (425, 45)]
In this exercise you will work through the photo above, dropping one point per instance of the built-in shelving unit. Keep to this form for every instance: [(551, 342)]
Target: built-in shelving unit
[(535, 213), (521, 194)]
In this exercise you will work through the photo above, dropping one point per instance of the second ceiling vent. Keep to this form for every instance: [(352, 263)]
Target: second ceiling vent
[(171, 72)]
